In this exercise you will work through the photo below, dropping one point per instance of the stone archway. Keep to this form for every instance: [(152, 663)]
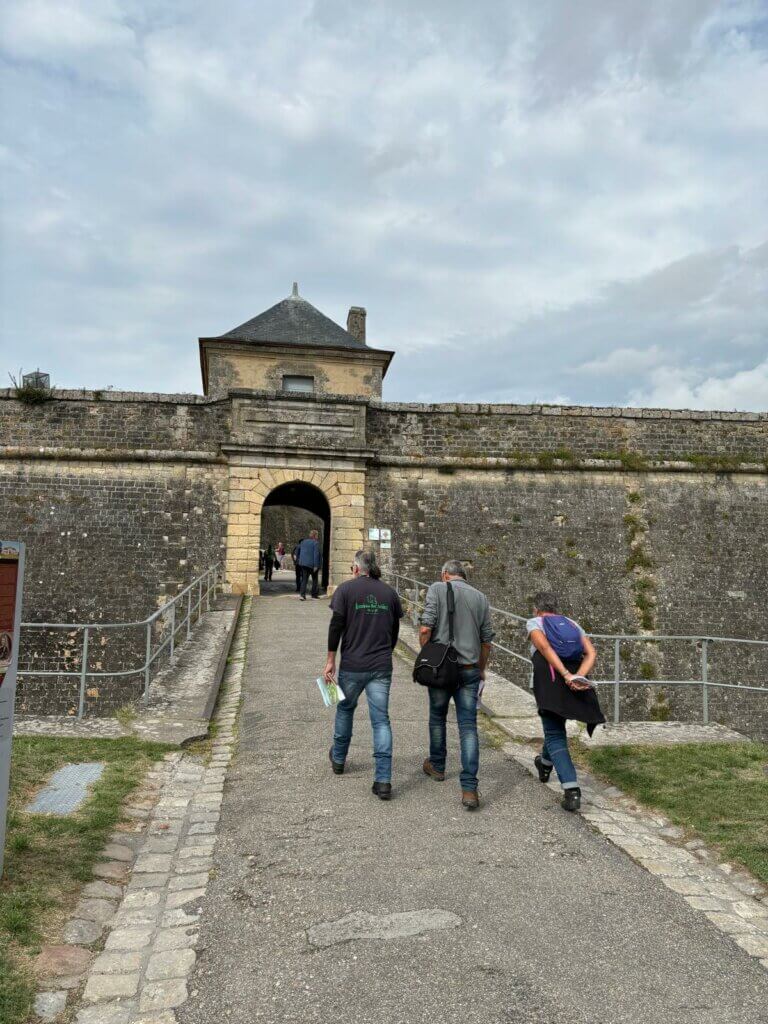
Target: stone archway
[(300, 495), (250, 486)]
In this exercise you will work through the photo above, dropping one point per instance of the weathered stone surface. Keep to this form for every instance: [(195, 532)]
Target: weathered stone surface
[(175, 938), (360, 925), (163, 995), (176, 963), (82, 933), (97, 910), (114, 851), (111, 986), (53, 961), (180, 899), (50, 1005), (111, 870), (128, 938), (102, 891), (106, 1013), (123, 962)]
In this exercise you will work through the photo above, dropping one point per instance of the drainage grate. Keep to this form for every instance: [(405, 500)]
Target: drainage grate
[(67, 789)]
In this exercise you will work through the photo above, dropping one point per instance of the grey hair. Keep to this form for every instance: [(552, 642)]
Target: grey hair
[(313, 534), (454, 568), (546, 601), (365, 560)]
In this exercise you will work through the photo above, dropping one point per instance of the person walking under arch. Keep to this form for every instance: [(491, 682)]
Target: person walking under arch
[(366, 622), (269, 561), (296, 566), (310, 560), (562, 656), (473, 633)]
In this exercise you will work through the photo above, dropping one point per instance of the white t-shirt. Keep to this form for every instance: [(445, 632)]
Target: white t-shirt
[(537, 622)]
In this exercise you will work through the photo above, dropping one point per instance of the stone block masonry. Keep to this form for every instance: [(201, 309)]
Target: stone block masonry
[(108, 542), (643, 520), (575, 533)]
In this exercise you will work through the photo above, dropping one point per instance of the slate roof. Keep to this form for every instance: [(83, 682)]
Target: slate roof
[(294, 321)]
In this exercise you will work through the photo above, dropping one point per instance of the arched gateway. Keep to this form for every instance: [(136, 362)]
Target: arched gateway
[(308, 498), (298, 385)]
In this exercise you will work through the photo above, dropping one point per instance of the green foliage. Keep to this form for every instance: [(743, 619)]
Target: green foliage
[(539, 563), (718, 791), (634, 497), (647, 670), (47, 857), (659, 710), (638, 559), (29, 395)]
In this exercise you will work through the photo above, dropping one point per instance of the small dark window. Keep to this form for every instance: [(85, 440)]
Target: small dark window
[(304, 384)]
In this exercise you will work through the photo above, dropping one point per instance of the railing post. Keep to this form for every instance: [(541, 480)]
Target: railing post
[(83, 674), (189, 613), (415, 608), (704, 677), (147, 657), (199, 598), (208, 589), (616, 676), (173, 633)]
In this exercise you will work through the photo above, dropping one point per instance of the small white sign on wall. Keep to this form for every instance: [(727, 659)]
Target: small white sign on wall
[(386, 534), (373, 533), (385, 544)]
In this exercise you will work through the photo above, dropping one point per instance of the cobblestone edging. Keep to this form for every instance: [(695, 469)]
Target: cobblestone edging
[(733, 901), (140, 976)]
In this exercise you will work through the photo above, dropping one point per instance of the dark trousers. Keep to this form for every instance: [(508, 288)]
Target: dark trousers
[(268, 567), (306, 572), (298, 577)]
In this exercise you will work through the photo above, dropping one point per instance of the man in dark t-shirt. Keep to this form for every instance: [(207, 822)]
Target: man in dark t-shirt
[(366, 621)]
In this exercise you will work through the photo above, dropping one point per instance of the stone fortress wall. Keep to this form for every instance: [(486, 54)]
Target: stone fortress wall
[(642, 520)]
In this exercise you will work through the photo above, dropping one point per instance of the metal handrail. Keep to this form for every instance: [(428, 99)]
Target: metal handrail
[(205, 585), (618, 639)]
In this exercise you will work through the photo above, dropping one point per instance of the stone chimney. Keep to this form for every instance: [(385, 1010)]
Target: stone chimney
[(356, 323)]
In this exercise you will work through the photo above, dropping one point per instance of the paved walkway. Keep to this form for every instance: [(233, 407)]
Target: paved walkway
[(329, 905)]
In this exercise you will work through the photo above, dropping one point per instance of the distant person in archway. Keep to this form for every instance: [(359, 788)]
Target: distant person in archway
[(280, 555), (269, 562), (562, 656), (296, 566), (310, 560), (366, 622), (472, 635)]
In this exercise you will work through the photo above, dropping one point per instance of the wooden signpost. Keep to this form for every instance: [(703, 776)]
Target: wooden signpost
[(11, 579)]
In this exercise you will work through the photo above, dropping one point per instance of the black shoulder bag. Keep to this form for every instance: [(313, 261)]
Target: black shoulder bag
[(437, 665)]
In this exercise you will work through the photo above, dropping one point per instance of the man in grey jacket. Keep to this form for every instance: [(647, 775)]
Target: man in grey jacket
[(472, 640)]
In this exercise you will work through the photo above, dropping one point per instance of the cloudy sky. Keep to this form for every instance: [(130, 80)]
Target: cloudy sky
[(536, 201)]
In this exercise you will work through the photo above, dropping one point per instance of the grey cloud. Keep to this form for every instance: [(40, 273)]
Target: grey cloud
[(501, 197)]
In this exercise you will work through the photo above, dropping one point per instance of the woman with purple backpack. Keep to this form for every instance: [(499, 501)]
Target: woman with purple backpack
[(562, 655)]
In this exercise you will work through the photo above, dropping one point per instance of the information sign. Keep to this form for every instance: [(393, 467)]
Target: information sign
[(11, 578)]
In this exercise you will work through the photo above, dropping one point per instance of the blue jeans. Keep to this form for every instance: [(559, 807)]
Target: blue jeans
[(555, 750), (465, 700), (376, 686)]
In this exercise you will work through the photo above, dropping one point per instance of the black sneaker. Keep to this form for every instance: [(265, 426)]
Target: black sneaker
[(544, 770), (383, 790), (571, 799), (338, 769)]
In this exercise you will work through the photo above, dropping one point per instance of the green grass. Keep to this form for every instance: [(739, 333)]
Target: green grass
[(47, 859), (719, 791)]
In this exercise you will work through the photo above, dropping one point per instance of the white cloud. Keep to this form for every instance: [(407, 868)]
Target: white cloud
[(529, 201), (745, 390)]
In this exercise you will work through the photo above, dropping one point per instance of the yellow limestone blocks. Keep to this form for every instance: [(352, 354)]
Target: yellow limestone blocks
[(249, 486)]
